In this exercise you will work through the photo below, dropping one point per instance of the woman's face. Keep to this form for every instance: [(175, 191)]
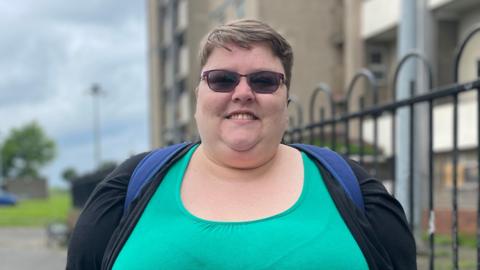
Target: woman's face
[(242, 120)]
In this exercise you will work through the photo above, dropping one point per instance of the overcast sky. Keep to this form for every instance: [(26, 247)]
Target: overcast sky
[(52, 51)]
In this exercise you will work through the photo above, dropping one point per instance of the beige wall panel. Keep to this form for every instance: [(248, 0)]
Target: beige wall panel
[(471, 55), (309, 28), (154, 74)]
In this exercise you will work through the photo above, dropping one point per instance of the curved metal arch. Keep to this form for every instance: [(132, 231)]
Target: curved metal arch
[(294, 100), (371, 80), (403, 60), (459, 50), (321, 87)]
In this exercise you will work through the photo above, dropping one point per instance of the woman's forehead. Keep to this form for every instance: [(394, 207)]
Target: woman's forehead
[(233, 47), (258, 54)]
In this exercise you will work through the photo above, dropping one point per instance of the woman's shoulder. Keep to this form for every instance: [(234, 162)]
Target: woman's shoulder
[(127, 166), (387, 219), (100, 216)]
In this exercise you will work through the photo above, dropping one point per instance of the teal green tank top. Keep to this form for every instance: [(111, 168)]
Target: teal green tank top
[(309, 235)]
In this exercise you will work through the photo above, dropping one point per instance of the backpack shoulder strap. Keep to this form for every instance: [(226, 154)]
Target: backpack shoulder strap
[(338, 168), (147, 168)]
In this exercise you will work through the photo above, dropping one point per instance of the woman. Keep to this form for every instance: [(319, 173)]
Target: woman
[(240, 199)]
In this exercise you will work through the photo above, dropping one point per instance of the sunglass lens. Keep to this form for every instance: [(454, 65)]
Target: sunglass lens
[(264, 82), (222, 80)]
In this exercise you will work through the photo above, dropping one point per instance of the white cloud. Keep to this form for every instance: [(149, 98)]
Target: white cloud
[(52, 52)]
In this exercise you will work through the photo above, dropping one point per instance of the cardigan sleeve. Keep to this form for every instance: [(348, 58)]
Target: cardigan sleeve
[(387, 219), (99, 218)]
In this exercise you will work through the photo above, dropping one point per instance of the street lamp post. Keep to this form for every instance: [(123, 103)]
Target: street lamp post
[(96, 91)]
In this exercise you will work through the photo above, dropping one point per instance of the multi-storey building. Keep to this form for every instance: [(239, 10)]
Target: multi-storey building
[(175, 30), (331, 39)]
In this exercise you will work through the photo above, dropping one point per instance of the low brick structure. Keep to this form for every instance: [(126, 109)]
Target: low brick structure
[(27, 188), (467, 221)]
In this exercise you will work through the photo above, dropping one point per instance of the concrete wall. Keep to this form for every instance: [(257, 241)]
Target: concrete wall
[(471, 56), (379, 16), (313, 36), (156, 114), (198, 26), (438, 3)]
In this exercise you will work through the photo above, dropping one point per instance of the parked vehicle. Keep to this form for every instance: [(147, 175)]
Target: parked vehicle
[(7, 198)]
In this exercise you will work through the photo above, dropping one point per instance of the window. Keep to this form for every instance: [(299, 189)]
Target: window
[(181, 85), (183, 62), (182, 15), (180, 38), (167, 29), (169, 71), (379, 75), (164, 53), (470, 174), (467, 175), (376, 62), (376, 58), (184, 108)]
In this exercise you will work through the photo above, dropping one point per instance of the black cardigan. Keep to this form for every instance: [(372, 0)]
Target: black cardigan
[(381, 232)]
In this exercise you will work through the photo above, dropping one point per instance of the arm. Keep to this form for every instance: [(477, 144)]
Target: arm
[(387, 219), (99, 218)]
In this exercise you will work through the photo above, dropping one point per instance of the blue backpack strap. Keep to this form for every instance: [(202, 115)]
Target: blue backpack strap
[(147, 168), (338, 168)]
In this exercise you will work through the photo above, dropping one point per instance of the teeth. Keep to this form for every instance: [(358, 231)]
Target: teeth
[(242, 116)]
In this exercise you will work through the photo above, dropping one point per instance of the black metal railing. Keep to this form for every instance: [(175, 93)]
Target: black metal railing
[(325, 131)]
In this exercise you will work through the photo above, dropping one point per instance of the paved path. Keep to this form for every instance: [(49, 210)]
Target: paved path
[(26, 249)]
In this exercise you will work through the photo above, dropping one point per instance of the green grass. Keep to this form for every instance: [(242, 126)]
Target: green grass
[(443, 252), (464, 240), (37, 212)]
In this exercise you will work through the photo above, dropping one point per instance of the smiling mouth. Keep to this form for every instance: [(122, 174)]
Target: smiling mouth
[(242, 116)]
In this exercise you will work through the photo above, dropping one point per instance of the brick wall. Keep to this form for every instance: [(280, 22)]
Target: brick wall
[(28, 188), (467, 221)]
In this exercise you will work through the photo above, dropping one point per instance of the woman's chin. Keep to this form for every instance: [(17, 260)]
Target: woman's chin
[(241, 145)]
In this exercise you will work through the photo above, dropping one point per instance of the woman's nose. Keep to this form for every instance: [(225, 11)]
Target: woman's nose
[(243, 92)]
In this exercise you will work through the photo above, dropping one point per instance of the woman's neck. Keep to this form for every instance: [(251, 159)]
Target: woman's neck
[(234, 168)]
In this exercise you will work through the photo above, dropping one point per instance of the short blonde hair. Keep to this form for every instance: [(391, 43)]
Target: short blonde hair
[(244, 33)]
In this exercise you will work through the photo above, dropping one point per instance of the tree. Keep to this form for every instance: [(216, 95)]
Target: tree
[(69, 174), (26, 150)]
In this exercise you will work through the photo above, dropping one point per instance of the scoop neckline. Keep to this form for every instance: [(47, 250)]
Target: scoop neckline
[(186, 160)]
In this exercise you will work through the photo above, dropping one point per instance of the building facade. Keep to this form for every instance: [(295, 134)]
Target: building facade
[(332, 40), (441, 26), (444, 24), (176, 27)]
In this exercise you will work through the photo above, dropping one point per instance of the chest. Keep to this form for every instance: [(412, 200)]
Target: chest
[(309, 235), (240, 201), (248, 197), (272, 245)]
